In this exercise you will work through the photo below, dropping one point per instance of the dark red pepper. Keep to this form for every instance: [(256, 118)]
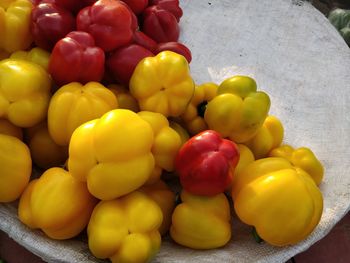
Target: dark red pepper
[(137, 6), (122, 62), (173, 6), (175, 47), (142, 39), (160, 24), (50, 23), (206, 162), (76, 58)]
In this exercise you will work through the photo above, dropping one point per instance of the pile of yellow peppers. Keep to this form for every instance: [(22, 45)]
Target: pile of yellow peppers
[(107, 153)]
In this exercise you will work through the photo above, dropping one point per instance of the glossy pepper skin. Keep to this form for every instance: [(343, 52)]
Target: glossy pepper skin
[(26, 105), (172, 6), (268, 137), (15, 25), (125, 229), (50, 23), (76, 58), (110, 22), (74, 104), (56, 203), (201, 222), (282, 202), (15, 167), (303, 158), (193, 117), (165, 198), (125, 100), (206, 162), (36, 55), (137, 6), (167, 143), (122, 62), (163, 84), (44, 151), (175, 47), (161, 25), (145, 41), (238, 110), (117, 155)]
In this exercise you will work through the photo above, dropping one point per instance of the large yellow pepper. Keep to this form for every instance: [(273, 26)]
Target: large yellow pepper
[(303, 158), (167, 143), (163, 84), (45, 152), (282, 202), (15, 24), (113, 153), (193, 117), (125, 229), (15, 167), (8, 128), (74, 104), (201, 222), (269, 136), (165, 198), (57, 203), (24, 92), (238, 110), (36, 55), (125, 99)]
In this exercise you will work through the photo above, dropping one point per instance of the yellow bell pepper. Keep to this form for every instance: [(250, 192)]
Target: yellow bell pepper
[(113, 153), (180, 131), (26, 104), (193, 117), (36, 55), (165, 198), (167, 142), (303, 158), (269, 136), (8, 128), (201, 222), (125, 229), (238, 110), (15, 167), (56, 203), (74, 104), (281, 201), (125, 99), (15, 25), (246, 157), (163, 84), (45, 152)]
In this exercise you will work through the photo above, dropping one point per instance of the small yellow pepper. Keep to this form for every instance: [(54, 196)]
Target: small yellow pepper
[(74, 104), (45, 152), (57, 203), (125, 99), (26, 104), (269, 136), (180, 130), (36, 55), (15, 167), (165, 198), (8, 128), (281, 201), (193, 117), (303, 158), (125, 229), (163, 84), (112, 153), (167, 142), (15, 25), (238, 110), (201, 222)]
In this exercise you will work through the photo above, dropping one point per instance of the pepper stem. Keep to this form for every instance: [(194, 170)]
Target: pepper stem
[(257, 238)]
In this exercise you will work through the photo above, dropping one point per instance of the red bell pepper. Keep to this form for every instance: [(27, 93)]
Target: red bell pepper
[(142, 39), (137, 6), (122, 62), (70, 5), (160, 24), (206, 162), (173, 6), (76, 58), (110, 22), (50, 23), (175, 47)]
